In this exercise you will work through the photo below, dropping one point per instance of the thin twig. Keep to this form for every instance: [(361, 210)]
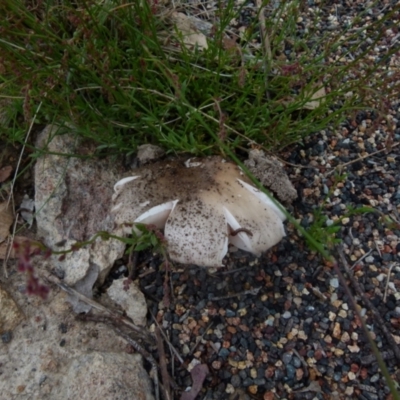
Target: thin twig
[(361, 258), (302, 360), (114, 314), (132, 264), (387, 281), (177, 355), (201, 337), (340, 166), (366, 301), (10, 242), (266, 45), (22, 152), (377, 248), (166, 380), (11, 197), (231, 271), (230, 296)]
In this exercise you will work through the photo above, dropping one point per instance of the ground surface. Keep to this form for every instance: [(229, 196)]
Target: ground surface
[(282, 326)]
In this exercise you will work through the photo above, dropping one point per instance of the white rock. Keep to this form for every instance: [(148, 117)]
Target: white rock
[(334, 282), (72, 200), (131, 300)]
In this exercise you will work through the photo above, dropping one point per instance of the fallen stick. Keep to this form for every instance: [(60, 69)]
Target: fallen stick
[(368, 303), (166, 380)]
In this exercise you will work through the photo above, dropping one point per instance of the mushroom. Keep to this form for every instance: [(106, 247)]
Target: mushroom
[(202, 205)]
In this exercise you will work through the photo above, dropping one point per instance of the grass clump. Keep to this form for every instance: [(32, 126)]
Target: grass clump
[(122, 76)]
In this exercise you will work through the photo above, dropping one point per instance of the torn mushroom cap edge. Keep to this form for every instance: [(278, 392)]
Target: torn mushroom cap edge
[(264, 199)]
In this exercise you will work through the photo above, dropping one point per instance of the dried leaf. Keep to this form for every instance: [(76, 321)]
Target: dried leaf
[(199, 373), (192, 37), (317, 98), (6, 220), (5, 173), (4, 247)]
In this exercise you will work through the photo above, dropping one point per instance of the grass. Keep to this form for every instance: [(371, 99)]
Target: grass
[(121, 75)]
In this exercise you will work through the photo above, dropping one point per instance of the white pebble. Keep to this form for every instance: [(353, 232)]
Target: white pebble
[(193, 363), (287, 314), (334, 282), (331, 316), (229, 388), (329, 222)]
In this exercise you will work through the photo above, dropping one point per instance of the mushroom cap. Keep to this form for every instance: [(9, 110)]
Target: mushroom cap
[(202, 205)]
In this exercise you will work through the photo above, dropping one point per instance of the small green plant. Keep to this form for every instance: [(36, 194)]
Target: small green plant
[(325, 230), (322, 231), (146, 237)]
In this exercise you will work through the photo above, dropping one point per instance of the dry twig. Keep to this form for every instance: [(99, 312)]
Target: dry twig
[(177, 355), (112, 314), (10, 242), (11, 197), (387, 281), (266, 44), (166, 380), (341, 166), (253, 292), (368, 303), (132, 264)]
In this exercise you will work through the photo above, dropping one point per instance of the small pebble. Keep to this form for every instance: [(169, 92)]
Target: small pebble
[(236, 381), (6, 337), (253, 389), (374, 378), (334, 282), (331, 316), (287, 358), (229, 389), (286, 315)]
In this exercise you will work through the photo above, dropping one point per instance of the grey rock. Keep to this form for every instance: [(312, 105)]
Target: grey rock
[(131, 299), (72, 201), (81, 361), (148, 152), (99, 375), (27, 208), (271, 174)]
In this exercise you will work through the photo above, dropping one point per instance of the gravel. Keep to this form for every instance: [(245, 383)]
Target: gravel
[(282, 325)]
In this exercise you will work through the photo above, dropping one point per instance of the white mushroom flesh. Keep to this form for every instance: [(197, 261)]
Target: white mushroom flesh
[(119, 185), (157, 215)]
